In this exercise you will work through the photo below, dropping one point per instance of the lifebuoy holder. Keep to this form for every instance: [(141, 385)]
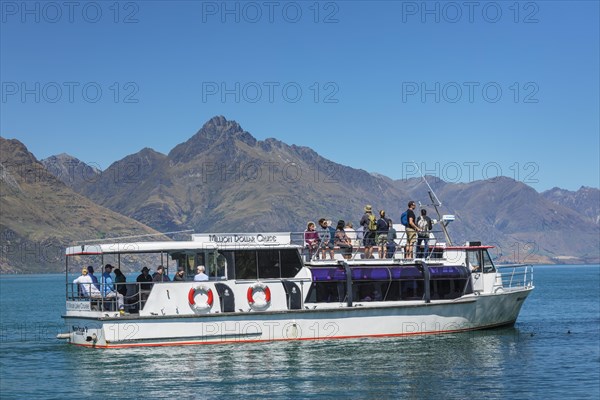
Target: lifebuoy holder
[(201, 305), (259, 296)]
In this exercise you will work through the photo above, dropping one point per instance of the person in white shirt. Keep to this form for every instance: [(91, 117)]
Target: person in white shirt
[(200, 276), (86, 285), (351, 233)]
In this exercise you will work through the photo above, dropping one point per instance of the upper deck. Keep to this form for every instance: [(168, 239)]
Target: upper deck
[(226, 243), (268, 255)]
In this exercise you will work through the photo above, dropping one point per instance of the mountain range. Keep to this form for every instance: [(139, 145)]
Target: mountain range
[(40, 215), (222, 179)]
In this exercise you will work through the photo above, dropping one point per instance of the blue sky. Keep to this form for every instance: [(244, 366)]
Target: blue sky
[(467, 90)]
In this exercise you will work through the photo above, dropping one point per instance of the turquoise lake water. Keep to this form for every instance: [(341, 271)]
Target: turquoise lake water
[(553, 351)]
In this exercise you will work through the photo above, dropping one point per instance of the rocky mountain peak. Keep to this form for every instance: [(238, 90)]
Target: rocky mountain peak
[(216, 132), (70, 170), (586, 201), (14, 152)]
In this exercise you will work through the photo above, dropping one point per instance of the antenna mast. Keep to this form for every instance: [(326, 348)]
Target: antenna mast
[(435, 202)]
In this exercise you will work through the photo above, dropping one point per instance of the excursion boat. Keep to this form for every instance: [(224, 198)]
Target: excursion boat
[(264, 287)]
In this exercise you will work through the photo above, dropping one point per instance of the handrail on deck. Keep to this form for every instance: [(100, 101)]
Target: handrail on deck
[(133, 302), (297, 238), (520, 275)]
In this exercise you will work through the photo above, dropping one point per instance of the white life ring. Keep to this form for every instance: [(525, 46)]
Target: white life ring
[(204, 305), (259, 296)]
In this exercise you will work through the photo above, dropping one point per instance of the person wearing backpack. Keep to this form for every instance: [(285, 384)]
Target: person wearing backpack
[(382, 233), (425, 224), (369, 224), (411, 228)]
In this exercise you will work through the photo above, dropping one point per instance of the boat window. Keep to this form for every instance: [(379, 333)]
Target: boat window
[(331, 292), (368, 284), (326, 292), (447, 288), (229, 263), (264, 264), (188, 261), (268, 264), (245, 264), (218, 263), (479, 260), (474, 260), (388, 283), (290, 263), (488, 265)]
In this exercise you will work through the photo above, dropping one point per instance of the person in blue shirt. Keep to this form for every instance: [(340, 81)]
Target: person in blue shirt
[(94, 279), (107, 281), (108, 288)]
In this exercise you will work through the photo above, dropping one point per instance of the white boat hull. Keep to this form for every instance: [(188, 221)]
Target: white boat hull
[(402, 318)]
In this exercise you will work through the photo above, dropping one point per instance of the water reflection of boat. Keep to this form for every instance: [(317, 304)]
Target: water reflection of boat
[(263, 287)]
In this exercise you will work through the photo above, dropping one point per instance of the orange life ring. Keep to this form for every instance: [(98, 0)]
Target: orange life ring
[(261, 304), (200, 306)]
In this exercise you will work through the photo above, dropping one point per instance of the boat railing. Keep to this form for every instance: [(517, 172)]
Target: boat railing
[(516, 275), (358, 248), (133, 300)]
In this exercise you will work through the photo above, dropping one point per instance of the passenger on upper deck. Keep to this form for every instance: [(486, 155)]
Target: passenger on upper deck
[(411, 229), (382, 233), (160, 276), (425, 224), (326, 235), (86, 285), (342, 240), (368, 234), (360, 236), (349, 228), (200, 276), (391, 239), (311, 239)]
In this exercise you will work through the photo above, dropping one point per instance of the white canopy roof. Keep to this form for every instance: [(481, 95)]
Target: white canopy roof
[(199, 242)]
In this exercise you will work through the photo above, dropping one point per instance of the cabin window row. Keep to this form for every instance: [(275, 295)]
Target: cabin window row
[(243, 264), (334, 292)]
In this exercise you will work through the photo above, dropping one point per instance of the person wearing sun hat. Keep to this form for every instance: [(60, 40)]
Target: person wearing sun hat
[(85, 284), (144, 279)]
